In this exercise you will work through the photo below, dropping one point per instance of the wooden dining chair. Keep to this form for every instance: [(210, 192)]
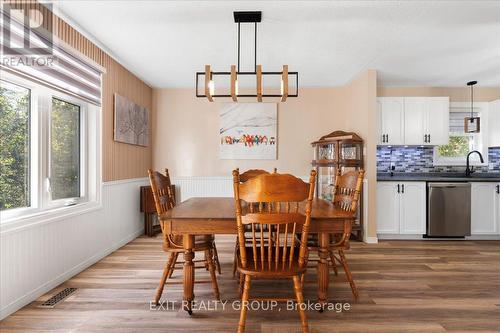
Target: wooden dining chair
[(272, 251), (173, 244), (249, 174), (243, 177), (346, 195)]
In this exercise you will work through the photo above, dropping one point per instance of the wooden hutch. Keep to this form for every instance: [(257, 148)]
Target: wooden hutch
[(338, 150)]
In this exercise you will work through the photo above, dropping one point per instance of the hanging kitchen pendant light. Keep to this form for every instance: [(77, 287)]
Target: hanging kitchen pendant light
[(209, 75), (472, 124)]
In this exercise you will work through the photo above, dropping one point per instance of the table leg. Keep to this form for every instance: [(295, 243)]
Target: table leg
[(322, 268), (188, 243)]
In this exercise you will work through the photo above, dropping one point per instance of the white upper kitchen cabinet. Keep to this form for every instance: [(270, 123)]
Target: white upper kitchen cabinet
[(391, 120), (485, 205), (388, 213), (401, 208), (494, 123), (416, 119), (438, 121), (423, 120)]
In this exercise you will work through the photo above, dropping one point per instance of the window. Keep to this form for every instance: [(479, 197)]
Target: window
[(460, 144), (64, 150), (49, 149), (14, 146)]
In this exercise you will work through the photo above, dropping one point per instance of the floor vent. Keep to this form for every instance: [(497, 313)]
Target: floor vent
[(52, 302)]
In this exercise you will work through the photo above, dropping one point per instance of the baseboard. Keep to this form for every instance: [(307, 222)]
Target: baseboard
[(370, 240), (400, 236), (483, 237), (33, 295), (420, 237)]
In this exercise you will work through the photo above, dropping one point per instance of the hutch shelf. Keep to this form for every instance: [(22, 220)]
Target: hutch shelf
[(338, 150)]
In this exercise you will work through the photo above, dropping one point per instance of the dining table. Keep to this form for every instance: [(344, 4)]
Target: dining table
[(217, 215)]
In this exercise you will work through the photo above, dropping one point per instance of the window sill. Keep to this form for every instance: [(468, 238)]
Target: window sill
[(47, 216)]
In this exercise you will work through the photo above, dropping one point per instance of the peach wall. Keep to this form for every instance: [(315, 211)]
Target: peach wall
[(359, 99), (481, 94), (186, 139)]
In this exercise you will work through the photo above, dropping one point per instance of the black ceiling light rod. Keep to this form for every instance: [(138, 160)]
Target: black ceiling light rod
[(255, 48), (472, 124), (246, 17), (238, 46), (471, 84)]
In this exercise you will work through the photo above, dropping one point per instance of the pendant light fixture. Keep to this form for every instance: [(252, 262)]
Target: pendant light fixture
[(472, 124), (251, 17)]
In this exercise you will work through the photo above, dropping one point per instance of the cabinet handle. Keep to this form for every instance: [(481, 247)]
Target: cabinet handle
[(403, 188), (383, 138), (398, 188), (387, 137), (429, 138), (498, 189)]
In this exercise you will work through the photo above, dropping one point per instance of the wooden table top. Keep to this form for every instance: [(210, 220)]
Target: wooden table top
[(212, 208)]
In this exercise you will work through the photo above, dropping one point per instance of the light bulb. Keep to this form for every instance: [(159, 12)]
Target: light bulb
[(281, 87), (211, 87), (236, 87)]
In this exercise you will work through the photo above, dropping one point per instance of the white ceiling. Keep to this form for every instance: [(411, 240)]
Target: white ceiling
[(409, 43)]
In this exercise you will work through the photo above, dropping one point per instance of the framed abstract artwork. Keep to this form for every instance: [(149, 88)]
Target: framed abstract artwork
[(131, 122), (248, 131)]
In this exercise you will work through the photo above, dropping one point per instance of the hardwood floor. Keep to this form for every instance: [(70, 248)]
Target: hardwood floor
[(405, 286)]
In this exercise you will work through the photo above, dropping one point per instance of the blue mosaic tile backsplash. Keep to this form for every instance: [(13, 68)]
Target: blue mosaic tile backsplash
[(419, 160)]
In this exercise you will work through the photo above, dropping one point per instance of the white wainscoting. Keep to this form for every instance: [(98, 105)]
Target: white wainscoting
[(38, 257), (188, 187)]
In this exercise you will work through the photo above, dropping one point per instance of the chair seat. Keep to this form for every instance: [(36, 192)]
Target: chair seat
[(271, 269), (201, 243)]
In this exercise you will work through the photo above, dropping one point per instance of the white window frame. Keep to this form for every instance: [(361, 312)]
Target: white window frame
[(482, 109), (83, 152), (41, 203)]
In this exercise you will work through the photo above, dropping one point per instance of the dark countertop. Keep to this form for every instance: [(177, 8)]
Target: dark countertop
[(439, 177)]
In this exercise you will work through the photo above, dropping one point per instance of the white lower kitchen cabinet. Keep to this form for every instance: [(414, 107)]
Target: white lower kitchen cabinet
[(388, 208), (485, 208), (413, 203), (401, 207)]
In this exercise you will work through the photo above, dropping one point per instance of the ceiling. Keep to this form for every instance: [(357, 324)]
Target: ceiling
[(409, 43)]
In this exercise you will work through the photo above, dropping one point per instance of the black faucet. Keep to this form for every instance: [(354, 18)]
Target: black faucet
[(470, 170)]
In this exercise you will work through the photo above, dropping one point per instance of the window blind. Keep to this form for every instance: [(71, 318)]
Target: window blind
[(34, 54)]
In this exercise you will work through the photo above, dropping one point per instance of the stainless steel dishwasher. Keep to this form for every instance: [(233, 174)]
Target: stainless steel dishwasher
[(448, 209)]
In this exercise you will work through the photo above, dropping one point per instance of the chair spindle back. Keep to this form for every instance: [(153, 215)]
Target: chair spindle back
[(277, 207), (163, 196), (347, 190)]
